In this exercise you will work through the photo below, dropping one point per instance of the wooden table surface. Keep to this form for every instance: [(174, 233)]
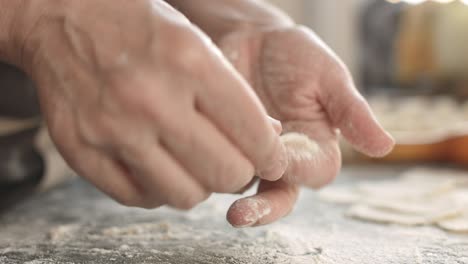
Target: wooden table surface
[(76, 224)]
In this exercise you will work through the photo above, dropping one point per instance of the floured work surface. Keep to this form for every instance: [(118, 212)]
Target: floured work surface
[(76, 224)]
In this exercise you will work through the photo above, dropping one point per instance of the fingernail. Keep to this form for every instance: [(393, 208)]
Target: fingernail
[(276, 125), (384, 146), (252, 210)]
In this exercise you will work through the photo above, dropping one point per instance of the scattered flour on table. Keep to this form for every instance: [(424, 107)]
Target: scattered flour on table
[(278, 243), (62, 232), (163, 229)]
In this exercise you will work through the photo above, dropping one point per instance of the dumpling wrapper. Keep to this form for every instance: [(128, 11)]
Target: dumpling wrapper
[(416, 184), (369, 213), (379, 215), (340, 195), (457, 224), (425, 206)]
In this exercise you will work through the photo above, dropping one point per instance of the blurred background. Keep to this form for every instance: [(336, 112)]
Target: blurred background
[(410, 58)]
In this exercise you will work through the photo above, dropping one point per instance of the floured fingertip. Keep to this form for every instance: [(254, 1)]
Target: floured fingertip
[(248, 212)]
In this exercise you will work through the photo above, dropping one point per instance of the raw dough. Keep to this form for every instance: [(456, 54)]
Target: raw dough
[(300, 146), (419, 196), (339, 195), (458, 224), (389, 215), (369, 213)]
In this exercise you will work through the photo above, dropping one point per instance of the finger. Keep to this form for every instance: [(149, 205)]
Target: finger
[(163, 177), (273, 201), (237, 112), (313, 153), (348, 111), (208, 155), (111, 177)]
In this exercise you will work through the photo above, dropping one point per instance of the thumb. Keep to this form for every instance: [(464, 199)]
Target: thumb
[(349, 112)]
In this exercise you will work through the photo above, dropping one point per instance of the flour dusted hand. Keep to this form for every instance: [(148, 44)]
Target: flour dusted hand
[(138, 99), (312, 93)]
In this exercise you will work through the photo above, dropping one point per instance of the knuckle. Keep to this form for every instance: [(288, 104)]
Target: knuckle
[(191, 60), (88, 129), (143, 94), (97, 129), (187, 50)]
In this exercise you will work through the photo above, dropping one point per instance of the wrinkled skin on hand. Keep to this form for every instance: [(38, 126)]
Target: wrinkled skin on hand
[(143, 105), (303, 84)]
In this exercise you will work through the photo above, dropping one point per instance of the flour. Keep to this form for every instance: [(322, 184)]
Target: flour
[(101, 251), (315, 232), (300, 146), (163, 229), (255, 209), (62, 232)]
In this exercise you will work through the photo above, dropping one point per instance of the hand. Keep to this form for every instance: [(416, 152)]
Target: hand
[(143, 105), (303, 84)]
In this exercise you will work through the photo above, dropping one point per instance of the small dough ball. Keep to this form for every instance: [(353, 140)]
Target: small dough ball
[(300, 146)]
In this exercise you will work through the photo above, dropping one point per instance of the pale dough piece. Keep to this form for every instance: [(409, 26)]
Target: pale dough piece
[(405, 117), (418, 175), (458, 224), (368, 213), (408, 188), (447, 204), (300, 146), (62, 232), (340, 195), (440, 206), (418, 197)]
